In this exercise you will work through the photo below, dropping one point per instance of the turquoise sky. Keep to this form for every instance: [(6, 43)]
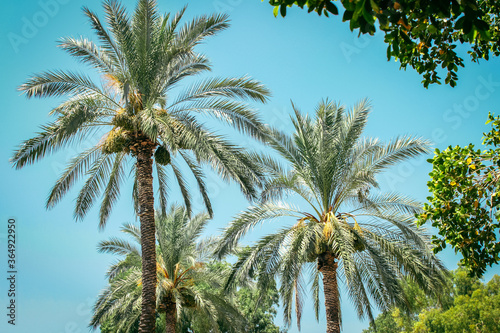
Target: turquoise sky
[(303, 58)]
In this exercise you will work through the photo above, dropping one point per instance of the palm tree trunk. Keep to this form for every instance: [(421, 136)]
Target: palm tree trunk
[(170, 318), (328, 267), (148, 240)]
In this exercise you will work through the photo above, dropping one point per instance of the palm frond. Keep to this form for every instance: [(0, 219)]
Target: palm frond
[(88, 52), (396, 151), (98, 174), (121, 33), (59, 83), (53, 137), (244, 87), (118, 246), (200, 28), (75, 169), (108, 44), (199, 176), (386, 202), (112, 190), (238, 115), (182, 186), (163, 186), (132, 230), (249, 219)]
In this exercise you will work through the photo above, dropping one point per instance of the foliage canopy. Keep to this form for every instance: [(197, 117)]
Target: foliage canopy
[(468, 306), (423, 34), (465, 196)]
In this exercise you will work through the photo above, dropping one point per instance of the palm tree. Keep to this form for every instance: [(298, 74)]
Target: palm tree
[(141, 59), (353, 232), (187, 287)]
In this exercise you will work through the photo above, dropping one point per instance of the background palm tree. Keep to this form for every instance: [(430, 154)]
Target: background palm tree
[(186, 286), (140, 60), (352, 232)]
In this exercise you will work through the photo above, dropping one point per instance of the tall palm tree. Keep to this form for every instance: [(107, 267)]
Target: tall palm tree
[(140, 60), (186, 286), (352, 233)]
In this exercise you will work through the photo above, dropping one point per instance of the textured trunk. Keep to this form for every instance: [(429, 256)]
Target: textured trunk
[(148, 242), (328, 267), (170, 318)]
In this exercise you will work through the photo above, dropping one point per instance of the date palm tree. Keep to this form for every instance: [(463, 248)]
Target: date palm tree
[(352, 233), (141, 59), (187, 287)]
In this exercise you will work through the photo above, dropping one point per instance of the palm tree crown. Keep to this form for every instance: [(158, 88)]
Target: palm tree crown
[(140, 60), (186, 287), (352, 231)]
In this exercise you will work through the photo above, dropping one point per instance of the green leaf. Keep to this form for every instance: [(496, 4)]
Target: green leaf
[(283, 10), (276, 11), (332, 8)]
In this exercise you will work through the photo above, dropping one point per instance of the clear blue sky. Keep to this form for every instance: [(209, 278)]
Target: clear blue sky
[(303, 58)]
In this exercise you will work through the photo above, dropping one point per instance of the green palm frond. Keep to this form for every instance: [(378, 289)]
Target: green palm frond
[(107, 43), (238, 115), (315, 289), (404, 226), (112, 190), (75, 169), (149, 124), (199, 176), (117, 246), (52, 138), (249, 219), (77, 120), (194, 228), (202, 27), (229, 161), (119, 302), (398, 150), (174, 71), (117, 268), (132, 230), (292, 289), (98, 174), (182, 186), (88, 52), (386, 202), (121, 34), (353, 124), (244, 87), (58, 83), (163, 186), (269, 165), (252, 261), (284, 145)]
